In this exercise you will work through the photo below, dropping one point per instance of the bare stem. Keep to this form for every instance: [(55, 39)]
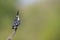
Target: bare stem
[(12, 35)]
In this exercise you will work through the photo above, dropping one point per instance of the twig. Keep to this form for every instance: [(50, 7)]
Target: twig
[(12, 35)]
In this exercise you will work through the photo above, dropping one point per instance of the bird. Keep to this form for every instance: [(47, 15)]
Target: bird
[(16, 21)]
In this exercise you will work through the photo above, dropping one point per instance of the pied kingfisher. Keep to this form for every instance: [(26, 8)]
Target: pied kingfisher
[(16, 21)]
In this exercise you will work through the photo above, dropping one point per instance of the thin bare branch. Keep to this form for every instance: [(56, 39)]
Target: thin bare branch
[(12, 35)]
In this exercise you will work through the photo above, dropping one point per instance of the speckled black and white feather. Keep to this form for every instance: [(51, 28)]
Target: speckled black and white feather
[(16, 21)]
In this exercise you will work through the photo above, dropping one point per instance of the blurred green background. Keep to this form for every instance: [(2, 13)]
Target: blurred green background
[(38, 22)]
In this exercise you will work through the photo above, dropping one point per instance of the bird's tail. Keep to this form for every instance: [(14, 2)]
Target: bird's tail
[(15, 28)]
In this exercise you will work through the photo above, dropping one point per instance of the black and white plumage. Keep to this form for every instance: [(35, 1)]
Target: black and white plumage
[(16, 21)]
